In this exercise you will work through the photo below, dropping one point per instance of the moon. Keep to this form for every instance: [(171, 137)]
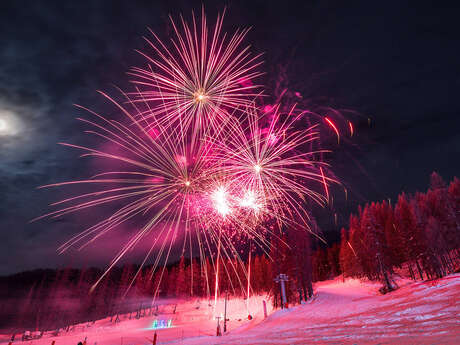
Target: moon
[(3, 126), (10, 125)]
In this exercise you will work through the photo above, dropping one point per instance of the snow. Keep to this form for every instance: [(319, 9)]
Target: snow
[(350, 312)]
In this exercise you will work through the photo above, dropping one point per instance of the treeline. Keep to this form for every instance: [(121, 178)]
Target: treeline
[(419, 234), (51, 299), (326, 262)]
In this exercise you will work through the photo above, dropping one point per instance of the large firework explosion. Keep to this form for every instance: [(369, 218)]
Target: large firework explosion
[(199, 158)]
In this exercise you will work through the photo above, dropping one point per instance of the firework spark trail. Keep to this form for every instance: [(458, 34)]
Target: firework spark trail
[(334, 127), (196, 159)]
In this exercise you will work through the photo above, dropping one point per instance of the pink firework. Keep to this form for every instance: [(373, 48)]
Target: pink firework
[(200, 80), (193, 159), (273, 168)]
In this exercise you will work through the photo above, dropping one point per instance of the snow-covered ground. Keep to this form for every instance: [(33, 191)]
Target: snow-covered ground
[(340, 313), (354, 313)]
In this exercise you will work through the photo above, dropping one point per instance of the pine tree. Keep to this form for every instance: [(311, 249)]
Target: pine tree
[(172, 278), (355, 241), (209, 278), (436, 181), (126, 277), (301, 263), (406, 226), (180, 281), (188, 286), (321, 266), (267, 273), (396, 251), (441, 207), (257, 275), (149, 282), (196, 288), (164, 280), (226, 271), (377, 246), (139, 284), (333, 259), (454, 201), (432, 262), (345, 254)]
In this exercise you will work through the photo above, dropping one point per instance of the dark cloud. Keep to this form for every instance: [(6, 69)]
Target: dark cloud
[(394, 63)]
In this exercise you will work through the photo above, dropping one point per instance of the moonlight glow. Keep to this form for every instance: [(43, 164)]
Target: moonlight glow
[(9, 123), (3, 126)]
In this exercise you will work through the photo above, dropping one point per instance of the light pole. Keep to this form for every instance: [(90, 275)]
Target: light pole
[(249, 282), (218, 332), (225, 313), (282, 278), (217, 277)]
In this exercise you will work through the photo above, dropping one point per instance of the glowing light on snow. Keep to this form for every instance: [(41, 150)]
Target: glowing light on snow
[(160, 324)]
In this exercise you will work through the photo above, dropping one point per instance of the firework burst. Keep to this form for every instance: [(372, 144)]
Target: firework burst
[(272, 165), (200, 80), (195, 158)]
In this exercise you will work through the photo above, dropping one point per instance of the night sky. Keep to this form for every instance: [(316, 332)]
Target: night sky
[(397, 64)]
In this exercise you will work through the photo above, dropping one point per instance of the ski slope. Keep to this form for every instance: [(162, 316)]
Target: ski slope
[(354, 313), (349, 312)]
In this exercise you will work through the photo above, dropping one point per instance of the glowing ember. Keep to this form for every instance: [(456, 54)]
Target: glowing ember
[(334, 127)]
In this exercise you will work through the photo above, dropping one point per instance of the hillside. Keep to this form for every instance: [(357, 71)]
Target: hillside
[(350, 312)]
